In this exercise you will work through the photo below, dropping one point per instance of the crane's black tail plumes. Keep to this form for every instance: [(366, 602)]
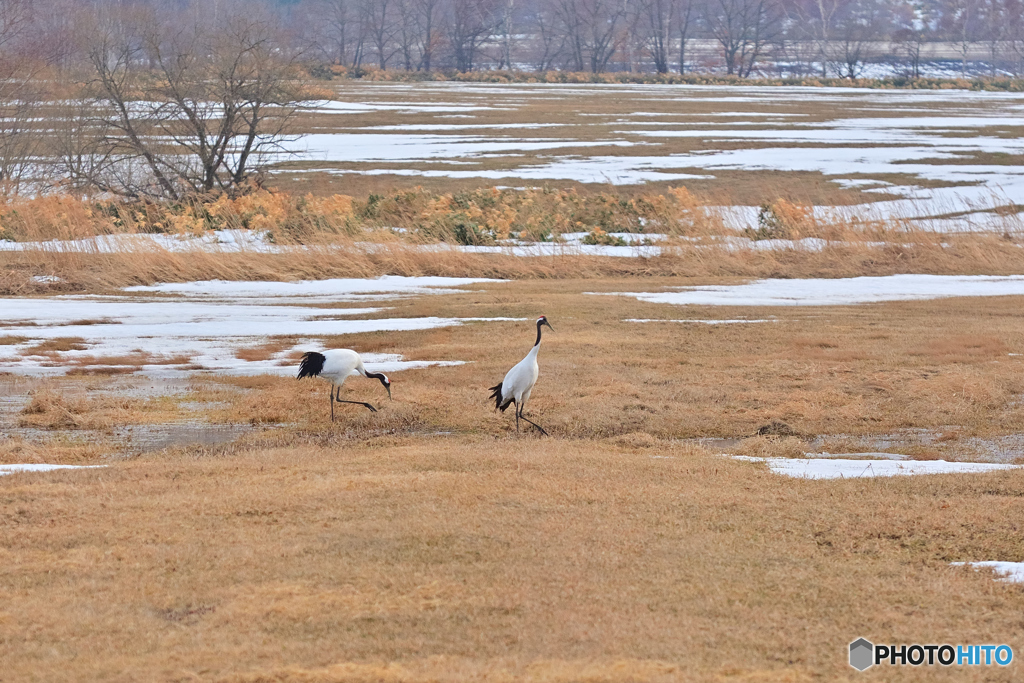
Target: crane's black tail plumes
[(312, 364), (496, 395)]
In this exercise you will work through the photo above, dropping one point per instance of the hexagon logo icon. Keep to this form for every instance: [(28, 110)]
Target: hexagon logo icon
[(861, 654)]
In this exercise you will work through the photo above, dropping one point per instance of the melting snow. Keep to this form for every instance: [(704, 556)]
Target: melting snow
[(180, 327), (702, 322), (872, 132), (822, 468), (10, 469), (1009, 572), (822, 292)]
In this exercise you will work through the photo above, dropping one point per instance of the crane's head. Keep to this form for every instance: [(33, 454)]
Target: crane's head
[(383, 380), (543, 320)]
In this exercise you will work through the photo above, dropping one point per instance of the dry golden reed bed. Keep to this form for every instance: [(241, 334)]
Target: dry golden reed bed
[(419, 233), (427, 542)]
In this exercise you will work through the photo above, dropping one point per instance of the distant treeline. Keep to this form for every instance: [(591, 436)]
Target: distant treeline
[(174, 99), (784, 38)]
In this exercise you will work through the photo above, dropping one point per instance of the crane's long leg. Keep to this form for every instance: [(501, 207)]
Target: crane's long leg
[(531, 422), (358, 403), (332, 402), (517, 415)]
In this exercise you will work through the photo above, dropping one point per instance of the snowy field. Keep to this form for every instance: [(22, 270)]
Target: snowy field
[(176, 329), (847, 468), (834, 292), (923, 154)]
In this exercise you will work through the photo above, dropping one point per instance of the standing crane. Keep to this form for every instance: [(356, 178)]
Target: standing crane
[(337, 365), (519, 381)]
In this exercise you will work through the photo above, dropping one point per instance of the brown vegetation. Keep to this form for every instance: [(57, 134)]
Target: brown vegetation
[(428, 542), (419, 233), (56, 345)]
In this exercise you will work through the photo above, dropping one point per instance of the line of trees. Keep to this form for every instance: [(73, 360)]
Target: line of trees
[(173, 98), (829, 37), (144, 100)]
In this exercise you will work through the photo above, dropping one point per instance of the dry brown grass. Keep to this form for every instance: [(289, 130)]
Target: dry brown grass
[(969, 254), (427, 542), (56, 345), (69, 407), (266, 350), (482, 559)]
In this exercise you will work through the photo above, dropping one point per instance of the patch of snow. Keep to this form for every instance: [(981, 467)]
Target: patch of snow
[(827, 468), (1009, 572), (338, 289), (10, 469), (410, 148), (701, 322), (837, 292), (181, 327)]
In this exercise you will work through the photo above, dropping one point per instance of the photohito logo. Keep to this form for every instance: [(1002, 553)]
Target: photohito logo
[(864, 655)]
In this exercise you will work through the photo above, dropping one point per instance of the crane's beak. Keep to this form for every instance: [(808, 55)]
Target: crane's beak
[(388, 387), (549, 326)]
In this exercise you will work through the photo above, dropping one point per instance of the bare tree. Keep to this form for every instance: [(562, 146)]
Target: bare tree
[(591, 29), (469, 23), (427, 15), (961, 23), (550, 39), (1014, 10), (337, 21), (182, 109), (19, 96), (684, 27), (658, 20), (743, 29), (379, 18)]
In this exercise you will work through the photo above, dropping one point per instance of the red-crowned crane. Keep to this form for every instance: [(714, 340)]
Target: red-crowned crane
[(519, 381), (337, 365)]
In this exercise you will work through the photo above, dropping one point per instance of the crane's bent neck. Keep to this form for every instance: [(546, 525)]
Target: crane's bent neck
[(536, 344)]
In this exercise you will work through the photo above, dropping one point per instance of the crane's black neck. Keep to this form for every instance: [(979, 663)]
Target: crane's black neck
[(539, 323), (377, 375)]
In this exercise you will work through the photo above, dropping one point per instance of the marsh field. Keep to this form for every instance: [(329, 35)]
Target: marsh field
[(227, 530)]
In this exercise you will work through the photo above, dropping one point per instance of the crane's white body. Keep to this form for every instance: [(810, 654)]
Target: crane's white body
[(340, 364), (519, 381), (337, 365)]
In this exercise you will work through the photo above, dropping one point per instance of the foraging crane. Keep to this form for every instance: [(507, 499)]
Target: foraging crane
[(336, 365), (519, 381)]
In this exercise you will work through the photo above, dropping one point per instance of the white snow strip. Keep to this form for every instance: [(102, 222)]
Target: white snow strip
[(700, 322), (411, 148), (1009, 572), (10, 469), (338, 289), (873, 132), (822, 468), (837, 292), (203, 326)]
